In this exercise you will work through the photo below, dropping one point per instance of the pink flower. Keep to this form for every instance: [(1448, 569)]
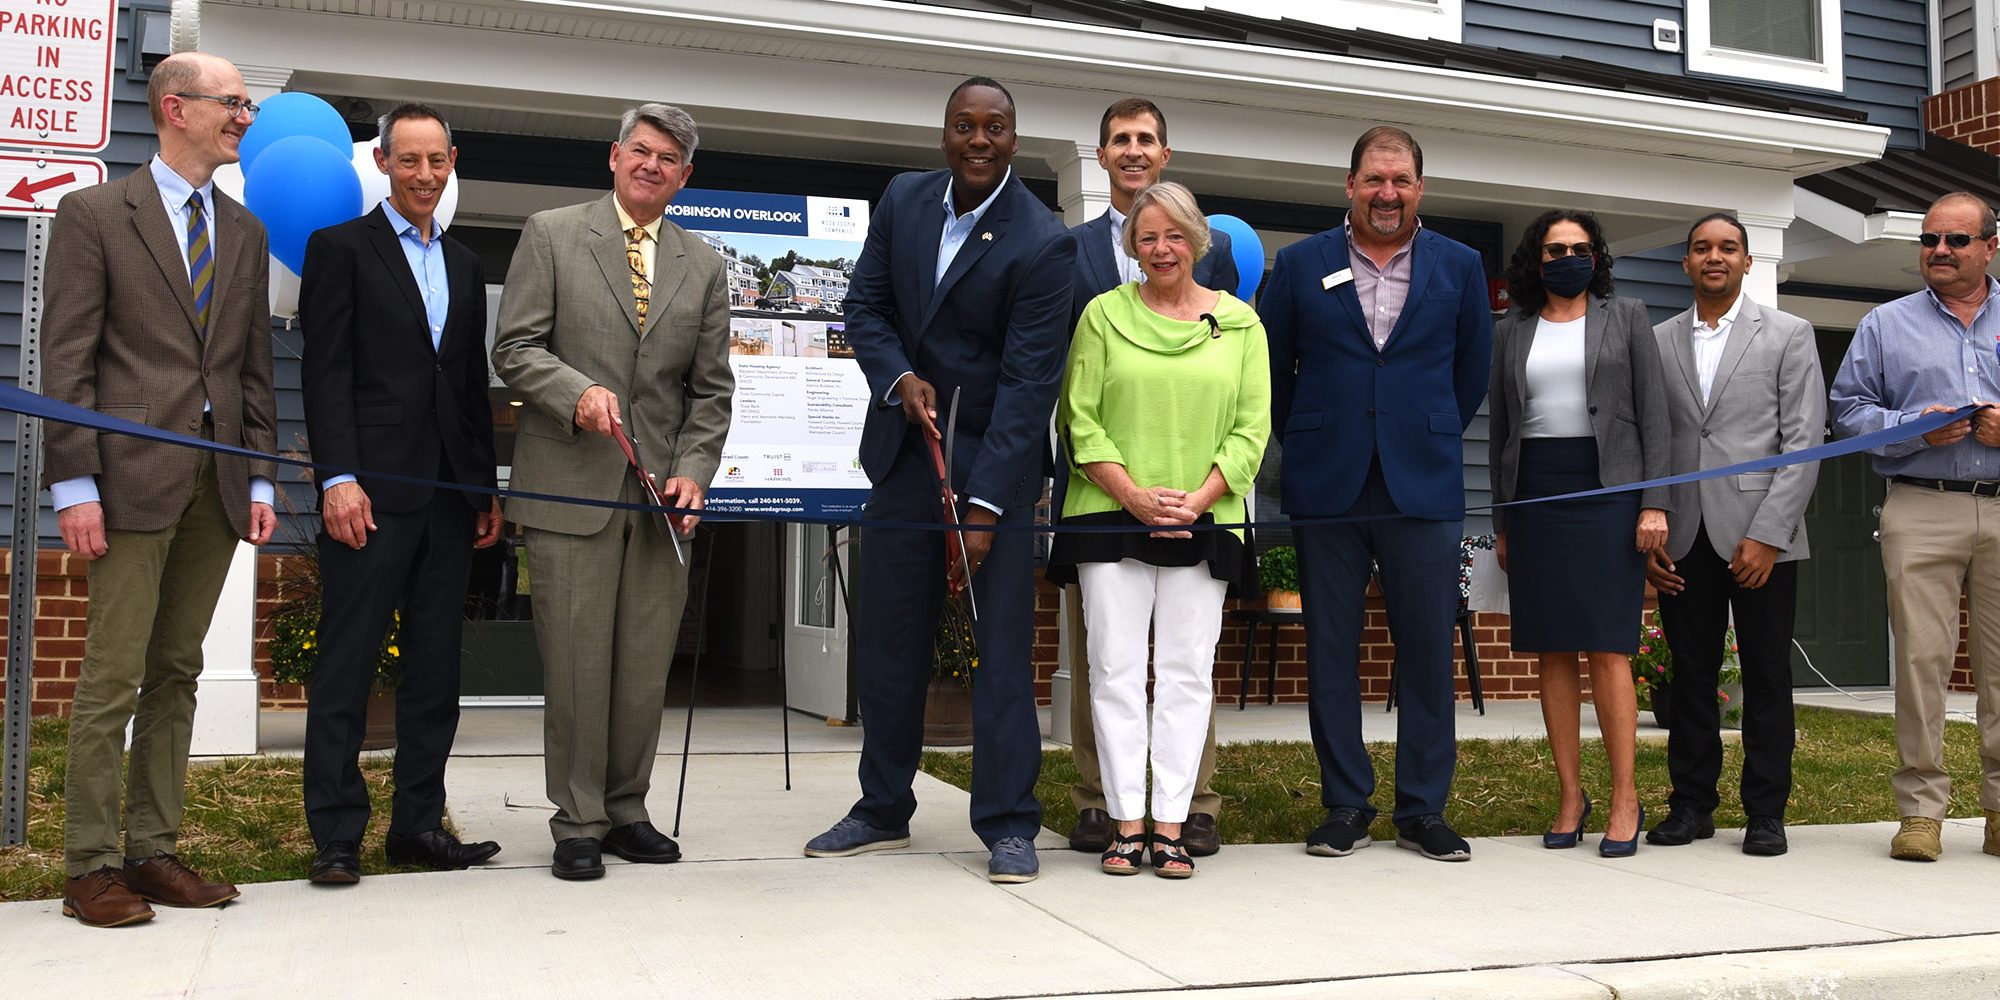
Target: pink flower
[(1661, 669), (1645, 649), (1724, 695)]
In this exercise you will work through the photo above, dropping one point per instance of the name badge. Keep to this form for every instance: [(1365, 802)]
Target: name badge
[(1336, 279)]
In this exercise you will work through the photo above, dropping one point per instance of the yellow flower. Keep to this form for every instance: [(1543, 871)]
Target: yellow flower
[(393, 651), (307, 645)]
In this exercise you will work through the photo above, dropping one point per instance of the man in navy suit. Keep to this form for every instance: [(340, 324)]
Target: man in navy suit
[(1381, 340), (1132, 148), (963, 289), (394, 314)]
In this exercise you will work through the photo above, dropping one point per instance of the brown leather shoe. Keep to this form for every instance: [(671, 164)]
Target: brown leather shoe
[(100, 899), (163, 879), (1200, 836), (1092, 833)]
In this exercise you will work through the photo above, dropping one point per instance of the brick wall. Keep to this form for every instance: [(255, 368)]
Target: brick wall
[(1970, 115), (62, 606)]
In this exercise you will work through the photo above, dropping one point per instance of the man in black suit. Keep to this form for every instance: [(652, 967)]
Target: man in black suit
[(394, 316), (1132, 148), (963, 288)]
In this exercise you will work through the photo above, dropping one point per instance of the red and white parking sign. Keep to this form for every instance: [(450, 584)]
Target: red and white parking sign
[(31, 184), (55, 73)]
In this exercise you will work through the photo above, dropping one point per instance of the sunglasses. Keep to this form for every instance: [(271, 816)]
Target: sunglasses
[(1557, 251), (1957, 241)]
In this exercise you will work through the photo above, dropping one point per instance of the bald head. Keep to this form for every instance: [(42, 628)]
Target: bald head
[(199, 107), (181, 72)]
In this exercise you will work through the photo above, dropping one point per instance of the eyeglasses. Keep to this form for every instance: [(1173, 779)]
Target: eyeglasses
[(1957, 241), (236, 105), (1557, 251)]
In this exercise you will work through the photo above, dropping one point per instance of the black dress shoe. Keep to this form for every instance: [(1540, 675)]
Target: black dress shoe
[(1681, 827), (1765, 837), (1092, 832), (578, 858), (338, 863), (1199, 836), (640, 843), (436, 849)]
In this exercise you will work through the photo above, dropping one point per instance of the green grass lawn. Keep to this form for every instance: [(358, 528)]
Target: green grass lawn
[(245, 820), (1508, 787)]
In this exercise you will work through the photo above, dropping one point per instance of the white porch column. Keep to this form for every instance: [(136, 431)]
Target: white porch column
[(225, 717), (1767, 252), (1084, 192)]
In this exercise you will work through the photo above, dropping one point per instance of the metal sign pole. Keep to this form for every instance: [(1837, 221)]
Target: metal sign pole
[(27, 530)]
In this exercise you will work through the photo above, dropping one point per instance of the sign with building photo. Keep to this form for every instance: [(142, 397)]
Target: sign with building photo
[(795, 437)]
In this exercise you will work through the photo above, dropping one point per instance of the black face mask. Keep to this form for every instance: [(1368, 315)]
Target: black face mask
[(1567, 277)]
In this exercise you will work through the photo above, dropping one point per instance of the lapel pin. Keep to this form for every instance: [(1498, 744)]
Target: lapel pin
[(988, 237)]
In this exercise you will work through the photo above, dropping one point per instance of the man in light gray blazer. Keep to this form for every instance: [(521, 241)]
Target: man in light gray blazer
[(613, 318), (1743, 382)]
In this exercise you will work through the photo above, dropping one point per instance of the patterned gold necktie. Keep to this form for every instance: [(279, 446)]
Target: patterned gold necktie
[(642, 289), (201, 263)]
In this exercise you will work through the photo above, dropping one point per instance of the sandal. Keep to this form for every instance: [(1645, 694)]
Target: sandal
[(1169, 851), (1124, 855)]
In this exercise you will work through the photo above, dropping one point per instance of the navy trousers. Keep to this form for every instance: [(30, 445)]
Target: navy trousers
[(1418, 563), (901, 592)]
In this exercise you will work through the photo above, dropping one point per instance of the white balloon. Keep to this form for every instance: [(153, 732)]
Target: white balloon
[(229, 180), (375, 185), (284, 291)]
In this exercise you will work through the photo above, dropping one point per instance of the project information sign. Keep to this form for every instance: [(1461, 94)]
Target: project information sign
[(55, 73), (795, 435)]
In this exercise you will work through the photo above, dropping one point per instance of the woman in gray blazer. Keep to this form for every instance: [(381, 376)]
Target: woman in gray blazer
[(1577, 403)]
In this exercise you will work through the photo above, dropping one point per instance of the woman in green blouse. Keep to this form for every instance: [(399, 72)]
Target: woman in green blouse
[(1165, 410)]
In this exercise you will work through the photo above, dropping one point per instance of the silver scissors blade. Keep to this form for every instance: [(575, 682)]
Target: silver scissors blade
[(950, 441)]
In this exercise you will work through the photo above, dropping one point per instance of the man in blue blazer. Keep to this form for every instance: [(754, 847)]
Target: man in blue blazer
[(1381, 340), (1132, 148), (963, 289)]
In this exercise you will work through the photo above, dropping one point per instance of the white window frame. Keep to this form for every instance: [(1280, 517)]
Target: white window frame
[(1703, 56), (1442, 20)]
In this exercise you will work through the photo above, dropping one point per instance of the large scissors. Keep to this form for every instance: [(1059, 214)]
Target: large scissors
[(957, 569), (652, 489)]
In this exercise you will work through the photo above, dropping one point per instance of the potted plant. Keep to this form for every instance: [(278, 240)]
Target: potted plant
[(1278, 573), (948, 704), (295, 652), (1653, 675)]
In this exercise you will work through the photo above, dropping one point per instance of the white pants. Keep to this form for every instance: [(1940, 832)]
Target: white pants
[(1184, 606)]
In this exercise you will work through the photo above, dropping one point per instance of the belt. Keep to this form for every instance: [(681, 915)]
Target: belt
[(1978, 488)]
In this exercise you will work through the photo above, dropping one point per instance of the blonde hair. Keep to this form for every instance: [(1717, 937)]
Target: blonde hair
[(1178, 202)]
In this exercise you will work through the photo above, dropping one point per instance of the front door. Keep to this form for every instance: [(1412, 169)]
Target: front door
[(1843, 616), (816, 584)]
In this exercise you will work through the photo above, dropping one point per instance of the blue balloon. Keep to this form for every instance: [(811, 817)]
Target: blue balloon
[(289, 114), (297, 186), (1247, 249)]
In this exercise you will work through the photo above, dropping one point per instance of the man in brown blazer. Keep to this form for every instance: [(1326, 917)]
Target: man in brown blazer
[(159, 316), (613, 318)]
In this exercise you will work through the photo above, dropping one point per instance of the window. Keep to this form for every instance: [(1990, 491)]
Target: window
[(1791, 42)]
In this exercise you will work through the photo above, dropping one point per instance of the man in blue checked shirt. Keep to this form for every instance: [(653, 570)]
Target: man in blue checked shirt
[(1930, 351)]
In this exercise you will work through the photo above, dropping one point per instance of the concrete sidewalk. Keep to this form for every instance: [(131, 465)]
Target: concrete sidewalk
[(747, 916)]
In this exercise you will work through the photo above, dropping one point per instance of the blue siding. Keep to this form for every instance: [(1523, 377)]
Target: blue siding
[(132, 144), (1885, 57)]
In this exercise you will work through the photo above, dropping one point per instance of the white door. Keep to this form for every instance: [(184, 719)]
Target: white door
[(816, 620)]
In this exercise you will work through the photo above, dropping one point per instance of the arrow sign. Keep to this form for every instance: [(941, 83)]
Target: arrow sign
[(31, 185)]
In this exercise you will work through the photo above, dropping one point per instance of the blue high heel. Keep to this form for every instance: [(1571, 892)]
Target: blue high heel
[(1623, 848), (1557, 841)]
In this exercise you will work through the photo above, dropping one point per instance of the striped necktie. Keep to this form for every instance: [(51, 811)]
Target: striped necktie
[(642, 289), (201, 262)]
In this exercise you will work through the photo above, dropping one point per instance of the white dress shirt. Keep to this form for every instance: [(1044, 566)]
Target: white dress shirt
[(1708, 342)]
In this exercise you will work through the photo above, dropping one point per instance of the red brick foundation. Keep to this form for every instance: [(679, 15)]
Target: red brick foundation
[(1969, 115)]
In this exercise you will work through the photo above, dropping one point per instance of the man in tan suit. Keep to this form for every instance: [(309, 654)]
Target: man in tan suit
[(613, 317), (159, 316)]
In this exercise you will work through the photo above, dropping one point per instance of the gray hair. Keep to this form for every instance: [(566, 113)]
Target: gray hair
[(1178, 202), (409, 110), (665, 117)]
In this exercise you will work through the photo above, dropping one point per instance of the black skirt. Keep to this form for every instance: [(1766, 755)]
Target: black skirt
[(1228, 560), (1574, 578)]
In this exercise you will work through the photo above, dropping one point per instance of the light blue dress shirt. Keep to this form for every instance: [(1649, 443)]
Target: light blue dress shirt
[(426, 260), (1912, 353), (174, 193)]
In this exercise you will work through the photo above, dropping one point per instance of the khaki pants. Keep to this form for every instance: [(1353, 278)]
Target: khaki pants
[(152, 595), (1088, 792), (1934, 545)]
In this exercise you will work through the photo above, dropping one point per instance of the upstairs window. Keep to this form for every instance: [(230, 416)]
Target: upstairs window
[(1789, 42)]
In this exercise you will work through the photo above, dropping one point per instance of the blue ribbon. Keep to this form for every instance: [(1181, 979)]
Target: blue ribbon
[(14, 399)]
